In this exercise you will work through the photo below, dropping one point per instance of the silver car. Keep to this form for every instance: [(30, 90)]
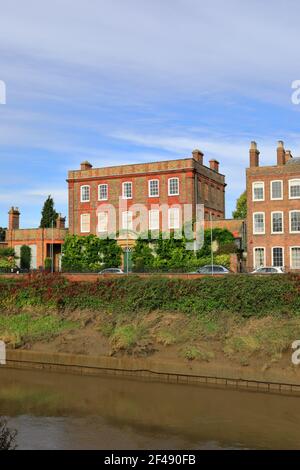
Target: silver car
[(268, 270), (112, 271), (213, 269)]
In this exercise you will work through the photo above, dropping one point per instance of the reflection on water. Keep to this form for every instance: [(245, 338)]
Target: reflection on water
[(58, 411)]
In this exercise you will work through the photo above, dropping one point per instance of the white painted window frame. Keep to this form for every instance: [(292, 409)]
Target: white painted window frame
[(290, 221), (169, 186), (123, 190), (291, 259), (149, 187), (151, 211), (99, 198), (81, 193), (271, 190), (81, 223), (290, 184), (272, 255), (253, 185), (264, 231), (272, 230), (254, 258)]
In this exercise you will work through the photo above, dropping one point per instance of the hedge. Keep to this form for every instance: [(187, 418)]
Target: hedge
[(245, 295)]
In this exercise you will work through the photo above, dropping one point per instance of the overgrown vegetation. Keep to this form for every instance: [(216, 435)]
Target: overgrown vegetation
[(90, 253), (7, 436), (170, 254), (242, 295), (7, 259)]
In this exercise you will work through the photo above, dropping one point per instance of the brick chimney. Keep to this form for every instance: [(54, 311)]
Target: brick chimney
[(280, 153), (198, 156), (254, 154), (60, 221), (85, 165), (214, 165), (288, 155), (14, 219)]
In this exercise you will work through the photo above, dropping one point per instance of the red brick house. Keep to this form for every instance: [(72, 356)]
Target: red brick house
[(41, 240), (163, 188), (173, 183), (273, 220)]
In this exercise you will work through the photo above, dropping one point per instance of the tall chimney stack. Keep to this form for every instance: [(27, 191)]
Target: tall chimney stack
[(254, 154), (85, 165), (198, 156), (280, 153), (288, 155), (60, 222), (14, 219), (214, 165)]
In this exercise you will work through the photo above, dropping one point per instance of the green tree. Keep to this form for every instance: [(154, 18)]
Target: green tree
[(241, 207), (142, 255), (7, 259), (49, 214), (221, 235), (25, 257)]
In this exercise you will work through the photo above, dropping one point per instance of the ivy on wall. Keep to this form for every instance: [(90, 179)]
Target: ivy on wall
[(90, 253)]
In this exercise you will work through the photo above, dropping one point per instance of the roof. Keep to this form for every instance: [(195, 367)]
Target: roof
[(293, 161)]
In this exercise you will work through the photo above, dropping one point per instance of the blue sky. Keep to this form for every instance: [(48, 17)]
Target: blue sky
[(138, 80)]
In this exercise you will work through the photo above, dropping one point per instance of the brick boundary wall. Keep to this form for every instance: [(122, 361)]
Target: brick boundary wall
[(90, 277)]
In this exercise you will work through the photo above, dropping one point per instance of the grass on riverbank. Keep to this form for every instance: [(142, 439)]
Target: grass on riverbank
[(236, 318), (23, 328)]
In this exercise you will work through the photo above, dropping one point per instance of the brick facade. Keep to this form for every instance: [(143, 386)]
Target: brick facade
[(276, 239), (39, 239), (198, 184)]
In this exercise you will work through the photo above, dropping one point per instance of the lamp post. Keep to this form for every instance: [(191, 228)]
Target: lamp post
[(211, 245), (127, 248), (52, 250)]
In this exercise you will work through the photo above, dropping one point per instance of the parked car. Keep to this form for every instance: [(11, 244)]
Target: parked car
[(268, 270), (213, 269), (112, 271)]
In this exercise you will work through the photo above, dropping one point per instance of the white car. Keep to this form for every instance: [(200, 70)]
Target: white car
[(268, 270), (112, 271)]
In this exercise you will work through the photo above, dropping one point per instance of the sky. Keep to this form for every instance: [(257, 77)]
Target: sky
[(129, 81)]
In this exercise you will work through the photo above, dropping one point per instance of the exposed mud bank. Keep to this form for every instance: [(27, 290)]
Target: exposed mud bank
[(162, 371)]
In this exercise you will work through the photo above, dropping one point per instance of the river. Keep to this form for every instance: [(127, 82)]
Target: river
[(59, 411)]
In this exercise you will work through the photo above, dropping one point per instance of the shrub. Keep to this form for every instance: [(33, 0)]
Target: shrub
[(25, 257), (7, 436), (48, 264)]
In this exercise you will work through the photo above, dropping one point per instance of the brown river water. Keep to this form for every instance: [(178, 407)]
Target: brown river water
[(59, 411)]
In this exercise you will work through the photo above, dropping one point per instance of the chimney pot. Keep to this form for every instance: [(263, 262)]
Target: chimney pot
[(14, 218), (198, 156), (60, 222), (288, 155), (85, 165), (214, 165), (254, 154), (280, 153)]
